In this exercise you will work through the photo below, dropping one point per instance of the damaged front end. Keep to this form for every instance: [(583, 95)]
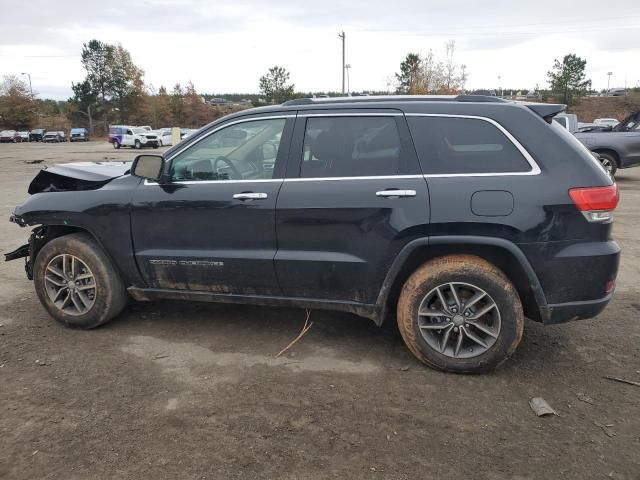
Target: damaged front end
[(39, 236), (52, 217)]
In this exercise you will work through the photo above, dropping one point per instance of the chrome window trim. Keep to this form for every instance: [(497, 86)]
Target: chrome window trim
[(201, 182), (220, 127), (373, 177), (535, 169)]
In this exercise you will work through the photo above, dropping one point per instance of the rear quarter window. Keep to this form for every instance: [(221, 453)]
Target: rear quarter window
[(453, 145)]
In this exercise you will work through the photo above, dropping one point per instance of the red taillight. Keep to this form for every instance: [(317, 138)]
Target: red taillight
[(596, 203), (595, 198)]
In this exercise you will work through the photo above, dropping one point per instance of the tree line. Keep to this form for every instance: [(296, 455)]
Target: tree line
[(114, 91)]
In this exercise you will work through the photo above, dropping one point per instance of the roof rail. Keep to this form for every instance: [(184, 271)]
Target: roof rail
[(394, 98)]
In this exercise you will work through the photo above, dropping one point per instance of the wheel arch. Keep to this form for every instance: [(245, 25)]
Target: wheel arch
[(500, 252), (610, 151), (43, 234)]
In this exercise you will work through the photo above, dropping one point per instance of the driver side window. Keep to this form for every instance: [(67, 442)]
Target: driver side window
[(244, 151)]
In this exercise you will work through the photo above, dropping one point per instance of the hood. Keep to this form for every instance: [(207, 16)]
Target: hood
[(77, 176)]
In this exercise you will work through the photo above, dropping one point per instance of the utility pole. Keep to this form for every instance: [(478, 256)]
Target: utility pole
[(342, 37), (347, 68)]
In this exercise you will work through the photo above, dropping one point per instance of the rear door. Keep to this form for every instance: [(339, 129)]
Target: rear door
[(353, 197)]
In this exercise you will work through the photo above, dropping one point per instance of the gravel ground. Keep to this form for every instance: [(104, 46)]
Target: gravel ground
[(194, 391)]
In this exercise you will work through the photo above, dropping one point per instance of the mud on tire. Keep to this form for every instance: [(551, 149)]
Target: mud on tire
[(77, 262), (476, 284)]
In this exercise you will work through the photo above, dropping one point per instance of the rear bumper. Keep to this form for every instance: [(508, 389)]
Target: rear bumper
[(576, 277), (565, 312)]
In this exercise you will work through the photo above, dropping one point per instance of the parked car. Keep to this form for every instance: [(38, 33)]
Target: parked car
[(618, 92), (24, 136), (464, 215), (165, 137), (618, 147), (53, 137), (606, 122), (134, 137), (37, 135), (10, 136), (186, 132), (79, 135)]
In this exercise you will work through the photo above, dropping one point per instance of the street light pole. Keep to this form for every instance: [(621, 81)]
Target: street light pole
[(609, 81), (30, 88), (342, 37)]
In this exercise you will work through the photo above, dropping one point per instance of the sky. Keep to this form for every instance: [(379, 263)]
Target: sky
[(225, 46)]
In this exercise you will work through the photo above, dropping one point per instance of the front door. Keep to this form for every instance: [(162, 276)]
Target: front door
[(212, 227), (353, 197)]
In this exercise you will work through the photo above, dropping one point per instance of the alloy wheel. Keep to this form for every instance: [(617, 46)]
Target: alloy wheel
[(459, 320), (607, 164), (70, 284)]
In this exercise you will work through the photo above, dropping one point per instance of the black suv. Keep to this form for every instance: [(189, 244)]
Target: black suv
[(462, 214)]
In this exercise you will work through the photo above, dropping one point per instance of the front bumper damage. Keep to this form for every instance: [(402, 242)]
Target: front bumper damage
[(37, 238)]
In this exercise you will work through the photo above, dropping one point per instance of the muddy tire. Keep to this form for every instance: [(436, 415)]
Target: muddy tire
[(77, 283), (460, 314)]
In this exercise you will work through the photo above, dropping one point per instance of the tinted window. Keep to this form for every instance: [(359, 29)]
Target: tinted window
[(464, 145), (245, 151), (350, 146)]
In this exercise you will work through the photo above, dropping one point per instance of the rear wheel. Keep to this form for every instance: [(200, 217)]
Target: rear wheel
[(77, 283), (460, 314), (609, 163), (116, 144)]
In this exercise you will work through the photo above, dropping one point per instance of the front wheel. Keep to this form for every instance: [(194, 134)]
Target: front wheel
[(138, 145), (77, 283), (460, 314)]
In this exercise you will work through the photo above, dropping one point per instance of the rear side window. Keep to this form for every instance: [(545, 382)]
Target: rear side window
[(350, 147), (450, 145)]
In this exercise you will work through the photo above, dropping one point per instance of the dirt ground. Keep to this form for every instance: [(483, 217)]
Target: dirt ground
[(194, 391)]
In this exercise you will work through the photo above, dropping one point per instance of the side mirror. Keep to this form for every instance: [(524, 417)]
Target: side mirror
[(150, 167)]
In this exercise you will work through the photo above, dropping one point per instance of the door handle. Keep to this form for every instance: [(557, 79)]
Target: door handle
[(249, 196), (396, 193)]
